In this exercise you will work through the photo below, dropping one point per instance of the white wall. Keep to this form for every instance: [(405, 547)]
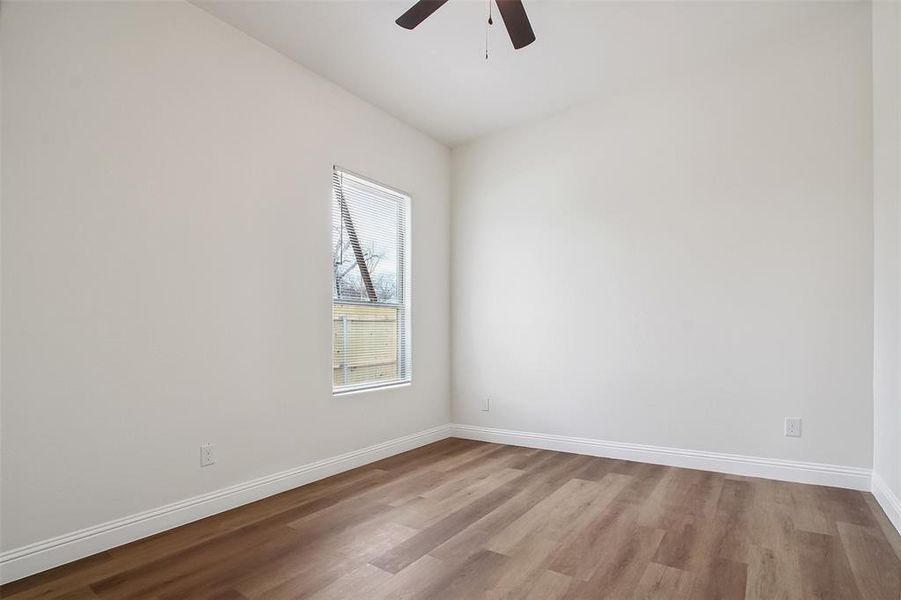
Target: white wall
[(686, 263), (887, 213), (166, 262)]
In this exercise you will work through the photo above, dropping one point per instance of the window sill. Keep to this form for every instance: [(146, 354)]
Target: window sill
[(371, 388)]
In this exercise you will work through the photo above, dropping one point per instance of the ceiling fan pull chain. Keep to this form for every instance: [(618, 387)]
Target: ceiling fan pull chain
[(488, 26)]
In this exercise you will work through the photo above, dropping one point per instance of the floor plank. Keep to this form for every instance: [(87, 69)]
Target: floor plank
[(825, 570), (872, 561), (662, 582)]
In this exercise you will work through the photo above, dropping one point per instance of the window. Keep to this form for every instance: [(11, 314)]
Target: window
[(370, 295)]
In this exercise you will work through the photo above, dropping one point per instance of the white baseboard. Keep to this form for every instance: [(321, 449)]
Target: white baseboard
[(889, 502), (40, 556), (854, 478)]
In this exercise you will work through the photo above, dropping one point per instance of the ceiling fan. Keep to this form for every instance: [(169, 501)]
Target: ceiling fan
[(512, 11)]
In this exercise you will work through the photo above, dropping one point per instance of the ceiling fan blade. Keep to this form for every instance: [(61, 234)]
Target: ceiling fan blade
[(418, 13), (517, 22)]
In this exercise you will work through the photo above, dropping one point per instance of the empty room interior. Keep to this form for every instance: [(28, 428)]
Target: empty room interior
[(450, 299)]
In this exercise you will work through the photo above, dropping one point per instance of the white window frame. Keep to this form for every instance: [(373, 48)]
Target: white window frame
[(404, 334)]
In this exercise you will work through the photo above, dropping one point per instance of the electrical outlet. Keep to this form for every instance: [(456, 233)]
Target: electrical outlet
[(486, 404), (207, 456), (793, 426)]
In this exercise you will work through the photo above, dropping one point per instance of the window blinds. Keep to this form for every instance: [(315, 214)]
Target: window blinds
[(370, 310)]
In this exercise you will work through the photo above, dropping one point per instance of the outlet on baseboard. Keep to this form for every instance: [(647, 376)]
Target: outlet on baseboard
[(207, 456), (793, 426), (486, 404)]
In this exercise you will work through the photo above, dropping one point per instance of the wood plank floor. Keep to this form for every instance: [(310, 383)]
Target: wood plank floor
[(463, 519)]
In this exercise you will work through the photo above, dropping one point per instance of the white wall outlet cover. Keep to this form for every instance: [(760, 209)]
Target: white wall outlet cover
[(486, 404), (793, 426), (207, 456)]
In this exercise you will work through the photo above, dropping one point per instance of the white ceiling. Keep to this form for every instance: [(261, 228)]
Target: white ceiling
[(436, 77)]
